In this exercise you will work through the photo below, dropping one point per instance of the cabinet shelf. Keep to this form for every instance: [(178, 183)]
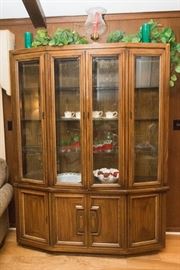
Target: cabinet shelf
[(31, 89), (30, 120), (68, 88), (105, 119), (104, 88), (105, 152), (67, 119), (32, 149), (147, 119), (147, 88)]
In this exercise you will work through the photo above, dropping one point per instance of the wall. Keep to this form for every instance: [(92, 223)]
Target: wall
[(2, 141), (129, 23), (6, 43)]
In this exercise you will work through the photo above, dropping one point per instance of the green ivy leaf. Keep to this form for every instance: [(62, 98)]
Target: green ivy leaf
[(178, 47), (167, 32), (177, 68), (135, 39), (174, 78), (171, 83), (115, 36), (163, 40)]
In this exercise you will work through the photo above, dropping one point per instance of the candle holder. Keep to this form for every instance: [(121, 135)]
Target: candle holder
[(95, 24), (28, 39), (146, 32)]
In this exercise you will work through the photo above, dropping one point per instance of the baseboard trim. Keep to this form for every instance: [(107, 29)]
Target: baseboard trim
[(167, 233), (12, 228), (172, 233)]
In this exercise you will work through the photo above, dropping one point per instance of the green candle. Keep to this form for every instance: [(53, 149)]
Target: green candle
[(146, 31), (28, 39)]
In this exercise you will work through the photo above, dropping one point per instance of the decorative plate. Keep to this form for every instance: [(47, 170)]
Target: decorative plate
[(69, 177)]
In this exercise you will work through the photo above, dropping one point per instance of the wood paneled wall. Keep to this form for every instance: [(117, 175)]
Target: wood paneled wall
[(128, 23)]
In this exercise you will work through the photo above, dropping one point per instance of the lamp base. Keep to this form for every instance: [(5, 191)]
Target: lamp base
[(95, 36)]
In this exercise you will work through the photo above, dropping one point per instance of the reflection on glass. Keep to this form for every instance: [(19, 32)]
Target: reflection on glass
[(68, 116), (146, 119), (31, 133), (105, 119)]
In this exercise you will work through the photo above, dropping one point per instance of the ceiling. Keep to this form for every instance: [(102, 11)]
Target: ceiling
[(15, 8)]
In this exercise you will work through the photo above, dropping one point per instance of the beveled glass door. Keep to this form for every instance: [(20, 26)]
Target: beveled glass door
[(31, 114), (68, 112), (105, 134), (146, 119)]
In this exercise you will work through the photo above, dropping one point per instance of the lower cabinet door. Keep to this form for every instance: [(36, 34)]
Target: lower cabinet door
[(87, 223), (106, 229), (33, 217), (69, 221), (145, 220)]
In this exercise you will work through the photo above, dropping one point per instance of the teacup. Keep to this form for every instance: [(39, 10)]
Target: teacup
[(78, 115), (111, 114), (69, 114), (97, 114)]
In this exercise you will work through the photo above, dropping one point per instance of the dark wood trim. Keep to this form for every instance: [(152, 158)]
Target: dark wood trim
[(35, 12)]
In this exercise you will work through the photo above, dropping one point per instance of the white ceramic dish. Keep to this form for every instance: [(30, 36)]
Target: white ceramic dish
[(106, 175), (69, 178)]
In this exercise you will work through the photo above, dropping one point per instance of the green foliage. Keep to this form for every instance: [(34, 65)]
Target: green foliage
[(116, 36), (66, 36), (60, 37), (158, 35), (41, 38), (119, 36), (135, 38)]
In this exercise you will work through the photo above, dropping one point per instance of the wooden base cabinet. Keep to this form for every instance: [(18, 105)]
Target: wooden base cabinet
[(91, 132), (32, 217), (91, 222), (145, 222), (69, 220)]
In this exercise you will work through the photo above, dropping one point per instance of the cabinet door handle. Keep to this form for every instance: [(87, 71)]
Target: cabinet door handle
[(95, 220), (80, 220)]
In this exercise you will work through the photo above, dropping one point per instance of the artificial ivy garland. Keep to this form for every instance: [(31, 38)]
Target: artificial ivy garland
[(158, 35)]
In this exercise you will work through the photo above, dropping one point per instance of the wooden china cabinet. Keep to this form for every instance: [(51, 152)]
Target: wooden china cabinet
[(90, 129)]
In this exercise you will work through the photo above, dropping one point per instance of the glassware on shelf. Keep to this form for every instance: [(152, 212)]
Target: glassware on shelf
[(106, 144)]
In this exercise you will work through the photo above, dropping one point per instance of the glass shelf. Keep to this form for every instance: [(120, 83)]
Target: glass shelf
[(67, 119), (147, 119), (110, 88), (105, 119), (68, 88)]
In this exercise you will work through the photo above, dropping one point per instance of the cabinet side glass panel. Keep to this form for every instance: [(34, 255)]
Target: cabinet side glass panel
[(146, 119), (30, 120), (68, 118), (105, 115)]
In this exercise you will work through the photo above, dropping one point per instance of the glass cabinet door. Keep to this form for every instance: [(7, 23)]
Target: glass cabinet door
[(68, 120), (105, 119), (30, 120), (146, 118)]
